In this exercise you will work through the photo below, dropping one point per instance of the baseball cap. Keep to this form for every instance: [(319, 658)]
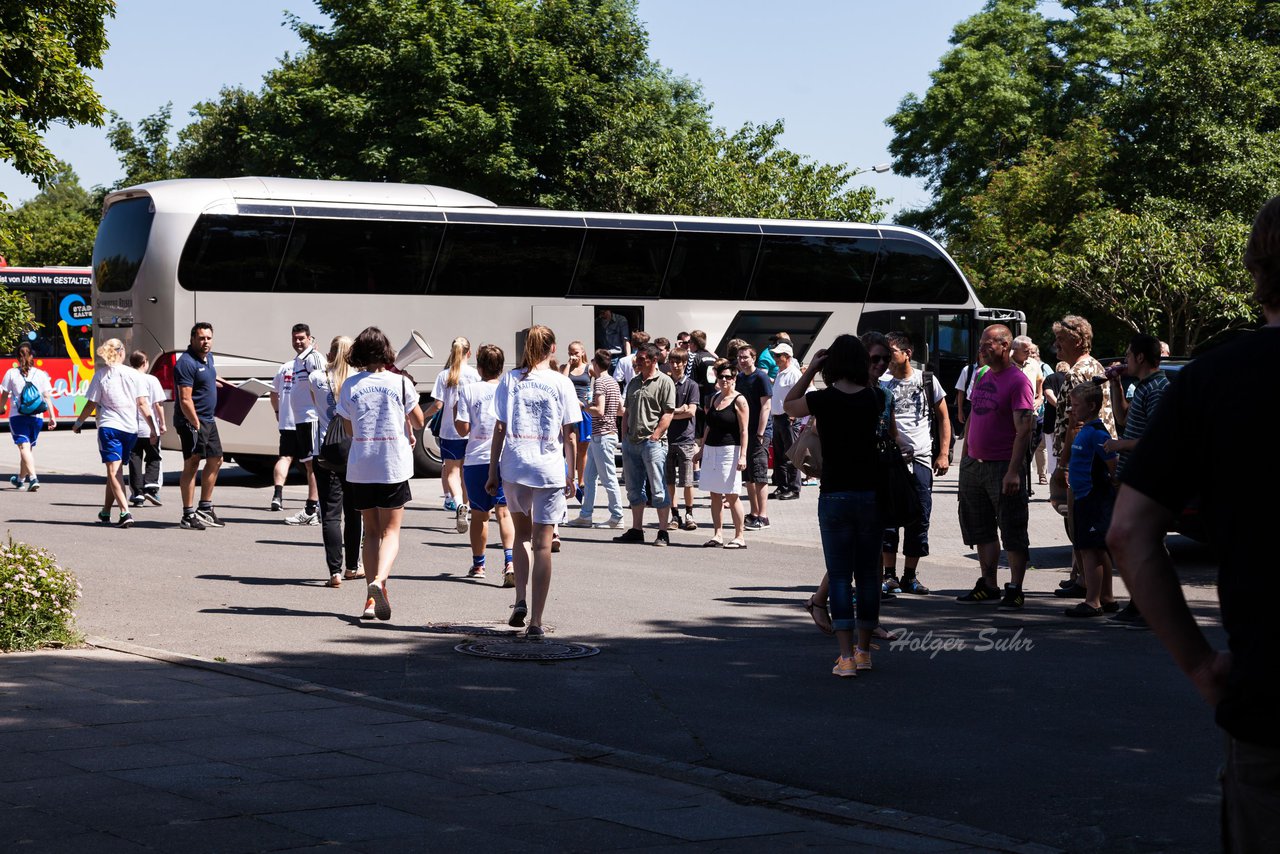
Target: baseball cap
[(783, 348)]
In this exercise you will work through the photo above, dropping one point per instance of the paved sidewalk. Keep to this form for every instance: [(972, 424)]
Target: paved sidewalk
[(103, 751)]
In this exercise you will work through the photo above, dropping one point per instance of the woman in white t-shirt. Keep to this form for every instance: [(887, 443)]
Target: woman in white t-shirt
[(339, 519), (475, 421), (119, 397), (381, 409), (25, 427), (453, 448), (534, 450)]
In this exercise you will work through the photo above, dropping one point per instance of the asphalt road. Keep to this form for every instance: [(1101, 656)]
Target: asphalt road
[(1079, 736)]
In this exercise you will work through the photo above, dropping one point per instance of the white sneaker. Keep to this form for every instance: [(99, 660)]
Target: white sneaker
[(614, 522), (302, 517), (463, 519), (579, 522)]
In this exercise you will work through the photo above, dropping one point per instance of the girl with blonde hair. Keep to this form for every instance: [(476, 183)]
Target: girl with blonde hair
[(453, 448), (340, 522), (532, 458), (120, 397), (27, 417)]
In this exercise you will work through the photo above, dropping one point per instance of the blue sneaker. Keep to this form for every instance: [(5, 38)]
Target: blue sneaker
[(14, 479), (451, 505)]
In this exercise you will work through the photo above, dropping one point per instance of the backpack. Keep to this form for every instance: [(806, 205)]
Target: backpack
[(30, 400)]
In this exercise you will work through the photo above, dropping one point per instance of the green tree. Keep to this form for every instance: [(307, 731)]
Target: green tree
[(56, 228), (551, 102), (46, 50), (145, 153), (1161, 270)]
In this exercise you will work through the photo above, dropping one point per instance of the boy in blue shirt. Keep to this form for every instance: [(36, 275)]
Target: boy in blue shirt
[(1091, 475)]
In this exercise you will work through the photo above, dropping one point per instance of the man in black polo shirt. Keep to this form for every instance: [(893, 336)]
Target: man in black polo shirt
[(196, 381), (1189, 449)]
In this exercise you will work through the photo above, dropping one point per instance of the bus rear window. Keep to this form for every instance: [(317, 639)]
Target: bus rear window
[(121, 243)]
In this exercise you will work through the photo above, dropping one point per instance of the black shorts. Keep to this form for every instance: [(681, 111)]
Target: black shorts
[(1090, 520), (757, 463), (298, 442), (384, 496), (204, 442)]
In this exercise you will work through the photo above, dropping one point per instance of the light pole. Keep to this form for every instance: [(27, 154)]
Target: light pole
[(879, 169)]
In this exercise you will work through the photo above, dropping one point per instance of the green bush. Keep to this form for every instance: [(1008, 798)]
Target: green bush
[(36, 599)]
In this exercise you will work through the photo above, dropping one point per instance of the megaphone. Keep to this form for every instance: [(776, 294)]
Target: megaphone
[(416, 348)]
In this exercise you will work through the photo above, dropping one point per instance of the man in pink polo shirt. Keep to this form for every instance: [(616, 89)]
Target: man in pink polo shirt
[(993, 486)]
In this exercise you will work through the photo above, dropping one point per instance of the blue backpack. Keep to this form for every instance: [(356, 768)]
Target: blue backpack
[(31, 401)]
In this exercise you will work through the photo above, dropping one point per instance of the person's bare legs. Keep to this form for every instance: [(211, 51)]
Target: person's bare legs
[(762, 499), (187, 481), (479, 531), (1108, 572), (506, 530), (1091, 560), (522, 526), (583, 447), (717, 504), (209, 477), (280, 472), (26, 461), (753, 497), (989, 559), (541, 545), (372, 541), (735, 513), (1017, 565), (453, 481), (637, 516), (820, 595), (114, 488), (388, 539)]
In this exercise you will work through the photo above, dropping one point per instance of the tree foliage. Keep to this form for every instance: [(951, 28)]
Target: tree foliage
[(146, 153), (1153, 120), (56, 228), (544, 102), (46, 50)]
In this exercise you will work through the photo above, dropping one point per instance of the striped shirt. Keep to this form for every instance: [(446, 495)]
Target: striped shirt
[(1146, 397), (608, 423)]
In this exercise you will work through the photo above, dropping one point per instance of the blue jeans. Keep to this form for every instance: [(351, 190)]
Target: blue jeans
[(851, 531), (916, 540), (600, 453), (644, 465)]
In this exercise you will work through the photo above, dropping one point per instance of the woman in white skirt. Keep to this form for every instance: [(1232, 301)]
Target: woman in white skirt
[(721, 453)]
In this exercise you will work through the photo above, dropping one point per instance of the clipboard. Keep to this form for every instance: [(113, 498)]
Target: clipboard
[(234, 402)]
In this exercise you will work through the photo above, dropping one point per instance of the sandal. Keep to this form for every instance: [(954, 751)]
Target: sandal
[(353, 573), (736, 543), (821, 619), (713, 543), (881, 634)]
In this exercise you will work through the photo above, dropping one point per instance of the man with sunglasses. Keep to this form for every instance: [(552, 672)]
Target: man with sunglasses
[(754, 385)]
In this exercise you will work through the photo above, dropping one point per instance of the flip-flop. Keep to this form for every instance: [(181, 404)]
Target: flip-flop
[(818, 613), (713, 543), (735, 543), (881, 634)]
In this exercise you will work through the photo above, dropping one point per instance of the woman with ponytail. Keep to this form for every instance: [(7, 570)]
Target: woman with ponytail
[(532, 459), (27, 418), (453, 448)]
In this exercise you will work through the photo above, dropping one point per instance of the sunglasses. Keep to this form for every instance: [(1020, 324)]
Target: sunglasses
[(725, 377), (878, 358)]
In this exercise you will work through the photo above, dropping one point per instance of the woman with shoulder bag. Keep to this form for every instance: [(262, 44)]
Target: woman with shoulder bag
[(27, 418), (848, 412), (381, 410), (339, 519)]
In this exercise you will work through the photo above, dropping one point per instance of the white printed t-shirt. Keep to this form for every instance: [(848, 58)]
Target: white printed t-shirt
[(535, 410), (475, 407), (911, 411), (448, 396), (304, 365), (375, 403), (282, 385), (116, 390), (155, 394), (14, 381)]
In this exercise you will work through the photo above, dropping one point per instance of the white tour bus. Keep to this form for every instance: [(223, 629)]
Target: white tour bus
[(253, 256)]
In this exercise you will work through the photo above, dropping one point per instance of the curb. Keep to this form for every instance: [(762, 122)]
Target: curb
[(752, 791)]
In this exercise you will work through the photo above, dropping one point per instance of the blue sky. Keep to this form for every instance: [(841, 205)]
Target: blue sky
[(832, 70)]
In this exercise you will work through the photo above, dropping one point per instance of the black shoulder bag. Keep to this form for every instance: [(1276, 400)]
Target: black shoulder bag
[(896, 487), (336, 444)]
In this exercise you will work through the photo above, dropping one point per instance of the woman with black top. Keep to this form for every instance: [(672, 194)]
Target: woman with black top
[(848, 414), (721, 453), (576, 371)]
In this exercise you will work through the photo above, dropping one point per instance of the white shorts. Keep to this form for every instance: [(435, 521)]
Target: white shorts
[(545, 505)]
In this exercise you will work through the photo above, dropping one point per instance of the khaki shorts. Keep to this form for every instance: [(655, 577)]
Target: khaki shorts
[(544, 505)]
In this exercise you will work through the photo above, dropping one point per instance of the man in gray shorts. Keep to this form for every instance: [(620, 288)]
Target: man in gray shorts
[(993, 484)]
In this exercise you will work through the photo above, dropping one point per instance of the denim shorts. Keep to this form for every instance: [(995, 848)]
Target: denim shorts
[(644, 465)]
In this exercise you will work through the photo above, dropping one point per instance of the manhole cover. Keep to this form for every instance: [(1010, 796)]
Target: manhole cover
[(524, 650)]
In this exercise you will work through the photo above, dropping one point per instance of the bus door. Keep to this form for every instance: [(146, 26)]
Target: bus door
[(943, 340)]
